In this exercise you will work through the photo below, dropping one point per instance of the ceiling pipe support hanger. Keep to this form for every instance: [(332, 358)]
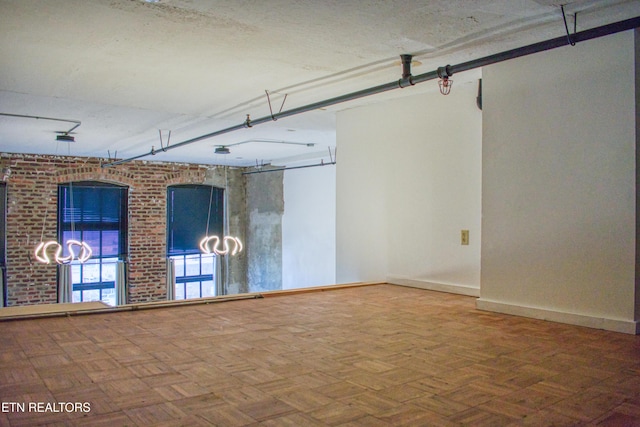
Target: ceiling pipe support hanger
[(566, 27), (407, 78), (585, 35)]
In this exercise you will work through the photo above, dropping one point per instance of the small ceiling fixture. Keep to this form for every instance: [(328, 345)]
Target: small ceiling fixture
[(444, 82), (222, 150), (65, 137)]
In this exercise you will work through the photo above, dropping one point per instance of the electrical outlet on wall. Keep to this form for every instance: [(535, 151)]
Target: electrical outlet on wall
[(464, 237)]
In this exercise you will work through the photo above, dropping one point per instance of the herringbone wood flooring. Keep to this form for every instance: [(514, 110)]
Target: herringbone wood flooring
[(371, 356)]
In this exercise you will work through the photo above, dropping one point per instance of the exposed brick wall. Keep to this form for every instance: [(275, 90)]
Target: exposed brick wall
[(32, 207), (31, 203)]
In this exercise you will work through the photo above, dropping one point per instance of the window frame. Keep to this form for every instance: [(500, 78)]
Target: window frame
[(214, 198), (214, 205), (3, 244), (76, 228)]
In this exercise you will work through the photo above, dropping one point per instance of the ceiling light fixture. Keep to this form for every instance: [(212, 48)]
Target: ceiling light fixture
[(65, 137), (444, 82), (206, 247), (41, 251), (41, 255), (205, 242)]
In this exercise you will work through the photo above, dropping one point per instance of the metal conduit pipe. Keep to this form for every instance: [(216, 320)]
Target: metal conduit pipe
[(286, 168), (24, 116), (408, 80)]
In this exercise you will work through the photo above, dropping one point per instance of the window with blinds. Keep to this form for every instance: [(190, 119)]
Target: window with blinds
[(193, 211), (95, 213)]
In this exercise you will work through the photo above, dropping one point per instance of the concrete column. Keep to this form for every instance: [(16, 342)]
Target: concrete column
[(265, 207)]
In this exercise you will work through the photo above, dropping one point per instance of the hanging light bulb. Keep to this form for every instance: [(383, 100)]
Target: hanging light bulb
[(231, 245), (41, 250), (40, 253), (207, 248)]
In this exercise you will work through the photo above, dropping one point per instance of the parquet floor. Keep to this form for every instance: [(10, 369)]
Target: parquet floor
[(379, 355)]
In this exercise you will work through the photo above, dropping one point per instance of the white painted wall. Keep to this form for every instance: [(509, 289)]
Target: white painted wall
[(309, 227), (409, 180), (558, 195), (361, 197)]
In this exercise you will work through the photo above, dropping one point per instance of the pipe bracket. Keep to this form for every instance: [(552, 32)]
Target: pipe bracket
[(405, 82), (445, 72), (407, 79), (273, 117)]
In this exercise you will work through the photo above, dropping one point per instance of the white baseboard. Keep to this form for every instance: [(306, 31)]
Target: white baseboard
[(433, 286), (624, 326)]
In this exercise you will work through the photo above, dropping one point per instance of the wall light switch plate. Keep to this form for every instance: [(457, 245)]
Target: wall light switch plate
[(464, 237)]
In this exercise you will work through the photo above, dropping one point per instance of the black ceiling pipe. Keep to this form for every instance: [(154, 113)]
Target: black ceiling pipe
[(286, 168), (593, 33)]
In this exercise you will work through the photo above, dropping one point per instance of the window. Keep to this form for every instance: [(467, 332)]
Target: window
[(95, 213), (195, 275), (3, 243), (192, 212)]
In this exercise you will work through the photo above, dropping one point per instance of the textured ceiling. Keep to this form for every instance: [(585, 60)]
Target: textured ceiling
[(131, 71)]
